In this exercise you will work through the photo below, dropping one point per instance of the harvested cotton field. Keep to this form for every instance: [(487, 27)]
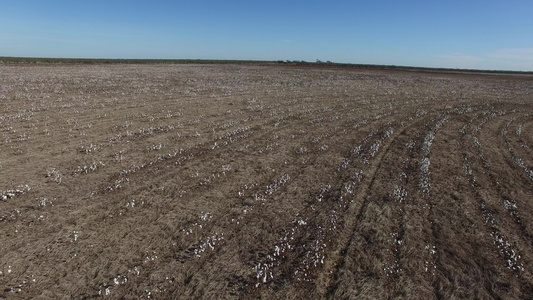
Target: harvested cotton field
[(254, 181)]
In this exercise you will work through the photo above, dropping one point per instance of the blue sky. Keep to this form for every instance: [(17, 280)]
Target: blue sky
[(486, 34)]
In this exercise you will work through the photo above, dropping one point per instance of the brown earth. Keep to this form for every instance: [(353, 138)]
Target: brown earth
[(228, 181)]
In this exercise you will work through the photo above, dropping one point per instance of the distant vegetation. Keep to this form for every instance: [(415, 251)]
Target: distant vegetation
[(39, 60), (299, 63)]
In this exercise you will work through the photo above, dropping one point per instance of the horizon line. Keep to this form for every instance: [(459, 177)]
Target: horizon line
[(86, 60)]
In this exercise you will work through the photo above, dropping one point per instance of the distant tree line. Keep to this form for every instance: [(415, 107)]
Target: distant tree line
[(318, 63)]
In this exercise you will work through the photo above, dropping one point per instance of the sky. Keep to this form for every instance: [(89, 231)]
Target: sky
[(469, 34)]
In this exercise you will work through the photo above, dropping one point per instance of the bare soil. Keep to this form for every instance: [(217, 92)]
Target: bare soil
[(274, 182)]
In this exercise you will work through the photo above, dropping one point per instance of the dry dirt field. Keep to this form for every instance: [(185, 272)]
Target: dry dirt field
[(274, 182)]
